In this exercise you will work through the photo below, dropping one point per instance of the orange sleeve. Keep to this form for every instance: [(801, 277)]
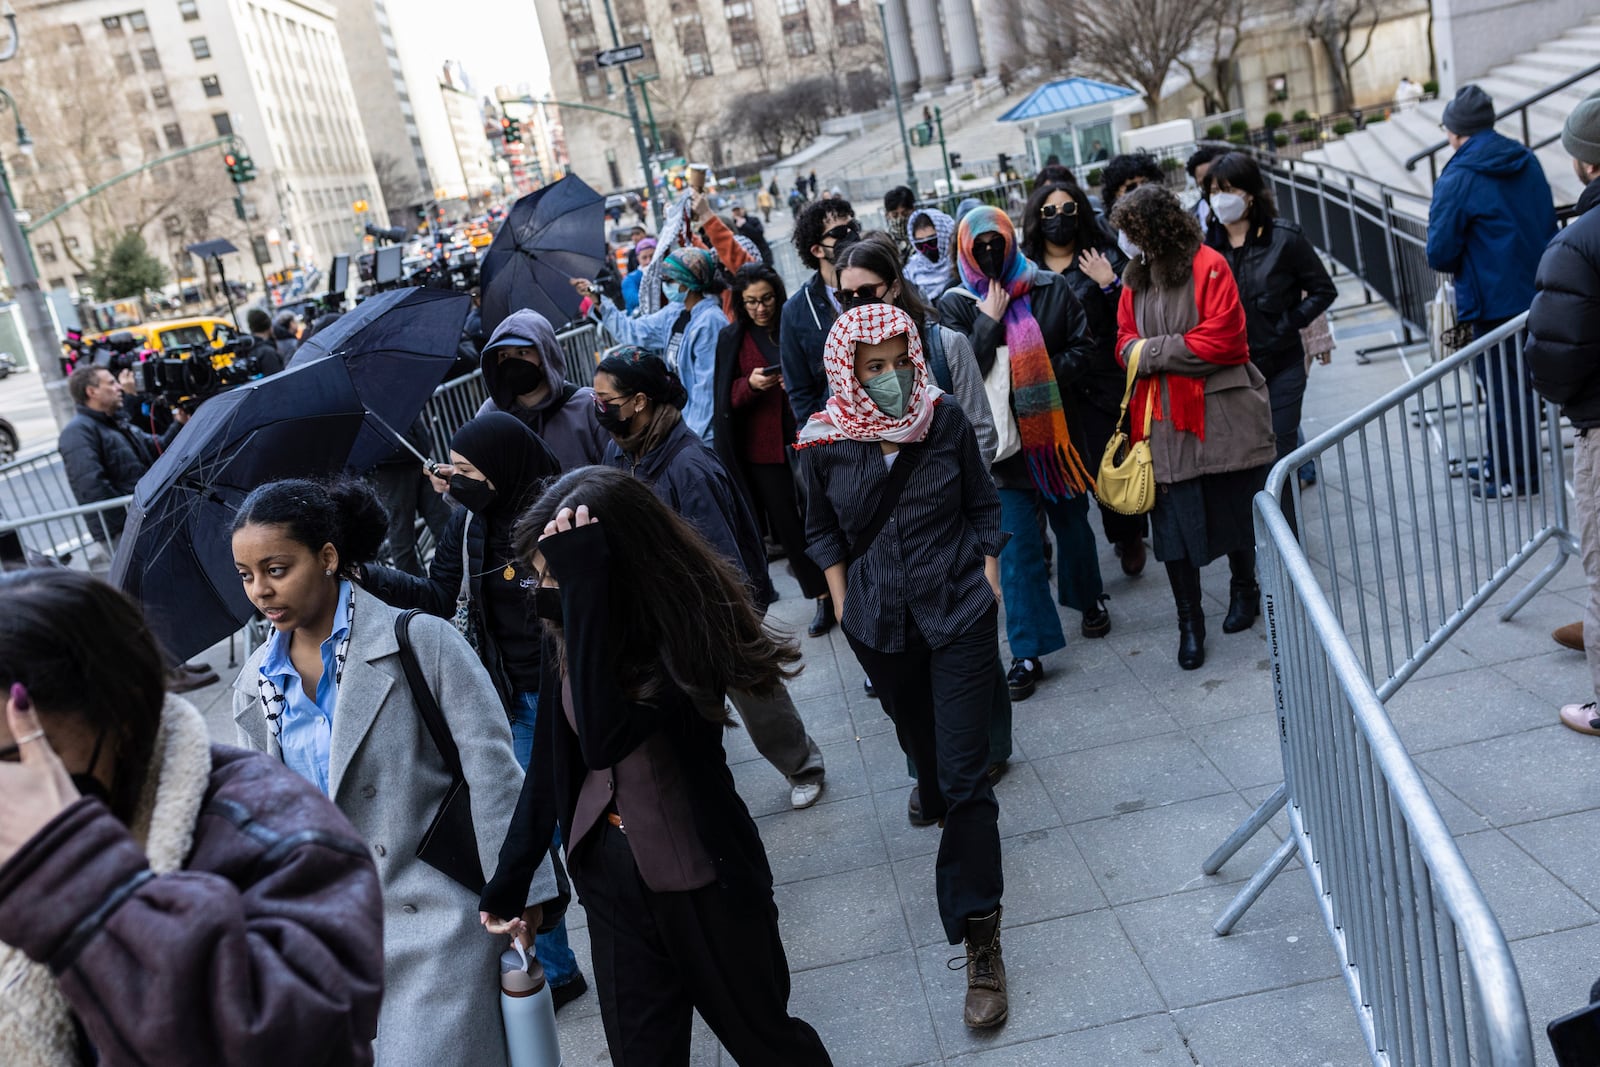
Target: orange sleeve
[(1127, 325), (728, 251), (1220, 336)]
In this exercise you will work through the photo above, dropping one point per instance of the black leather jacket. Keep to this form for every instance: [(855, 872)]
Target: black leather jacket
[(1564, 322), (1283, 287)]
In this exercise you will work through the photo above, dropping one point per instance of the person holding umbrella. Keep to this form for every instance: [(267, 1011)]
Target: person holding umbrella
[(476, 578)]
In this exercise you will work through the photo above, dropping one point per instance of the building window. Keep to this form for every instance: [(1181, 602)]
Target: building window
[(575, 7), (737, 10), (201, 47), (174, 135), (189, 9), (125, 63), (791, 7), (152, 143), (797, 39), (47, 251), (70, 244), (161, 96), (150, 58), (852, 31), (137, 101), (108, 148), (224, 124), (113, 25), (73, 33), (746, 53), (137, 22), (698, 64), (594, 86), (211, 85)]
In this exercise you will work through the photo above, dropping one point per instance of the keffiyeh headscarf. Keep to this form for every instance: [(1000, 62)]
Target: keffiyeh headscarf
[(692, 268), (850, 413), (1053, 463), (929, 277)]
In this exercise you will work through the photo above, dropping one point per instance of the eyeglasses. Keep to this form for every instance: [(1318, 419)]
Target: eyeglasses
[(866, 294), (843, 230), (761, 301), (602, 401), (1067, 210)]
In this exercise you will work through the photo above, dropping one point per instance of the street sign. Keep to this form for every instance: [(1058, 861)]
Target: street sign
[(615, 57)]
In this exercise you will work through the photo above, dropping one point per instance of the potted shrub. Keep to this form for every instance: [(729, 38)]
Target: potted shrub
[(1273, 120), (1307, 136), (1096, 175), (1280, 139), (1215, 132), (1302, 115), (1238, 126), (1171, 163), (1344, 127), (1431, 88)]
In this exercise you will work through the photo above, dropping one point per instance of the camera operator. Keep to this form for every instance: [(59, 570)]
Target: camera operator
[(265, 350), (145, 411)]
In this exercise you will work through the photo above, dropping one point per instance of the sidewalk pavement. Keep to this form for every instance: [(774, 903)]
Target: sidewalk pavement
[(1127, 773)]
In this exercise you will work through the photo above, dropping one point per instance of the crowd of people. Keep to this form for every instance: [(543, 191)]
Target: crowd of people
[(437, 758)]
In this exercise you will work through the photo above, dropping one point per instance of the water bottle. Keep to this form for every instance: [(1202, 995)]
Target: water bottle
[(529, 1013)]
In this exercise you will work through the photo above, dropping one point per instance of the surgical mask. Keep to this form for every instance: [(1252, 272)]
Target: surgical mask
[(474, 494), (1228, 207), (612, 420), (1129, 249), (1059, 230), (892, 391), (547, 604), (929, 249), (518, 376), (991, 259), (675, 293)]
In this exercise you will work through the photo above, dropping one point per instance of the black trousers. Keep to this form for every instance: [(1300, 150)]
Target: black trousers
[(941, 701), (772, 486), (659, 957), (1098, 426)]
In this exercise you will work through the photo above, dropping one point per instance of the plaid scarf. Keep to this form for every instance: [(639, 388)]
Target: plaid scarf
[(1053, 463), (850, 413)]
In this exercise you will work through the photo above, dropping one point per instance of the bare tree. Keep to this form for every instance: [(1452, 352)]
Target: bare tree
[(1344, 29), (1139, 41), (1211, 65)]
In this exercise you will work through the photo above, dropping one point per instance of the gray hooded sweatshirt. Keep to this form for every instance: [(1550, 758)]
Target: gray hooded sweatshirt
[(565, 418)]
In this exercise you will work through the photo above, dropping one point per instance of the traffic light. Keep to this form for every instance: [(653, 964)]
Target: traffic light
[(955, 160), (511, 130), (1005, 163), (241, 168)]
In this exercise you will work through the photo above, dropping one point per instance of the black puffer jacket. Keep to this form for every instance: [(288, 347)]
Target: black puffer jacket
[(105, 457), (1564, 322), (1103, 385), (1283, 287)]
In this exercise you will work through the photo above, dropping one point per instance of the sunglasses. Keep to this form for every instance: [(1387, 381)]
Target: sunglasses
[(1067, 210), (865, 294), (843, 230)]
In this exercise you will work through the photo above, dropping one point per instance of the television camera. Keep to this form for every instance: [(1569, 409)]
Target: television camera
[(184, 376)]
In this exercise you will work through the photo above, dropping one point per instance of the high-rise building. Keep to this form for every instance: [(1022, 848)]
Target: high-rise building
[(474, 157), (384, 98), (702, 57), (109, 87)]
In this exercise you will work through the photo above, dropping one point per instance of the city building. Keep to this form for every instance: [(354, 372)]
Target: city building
[(702, 58), (469, 134), (110, 87), (384, 98)]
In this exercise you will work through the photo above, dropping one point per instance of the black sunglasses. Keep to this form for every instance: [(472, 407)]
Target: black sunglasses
[(841, 231), (1067, 210), (865, 294)]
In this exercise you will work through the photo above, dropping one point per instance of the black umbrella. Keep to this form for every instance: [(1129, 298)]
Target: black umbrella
[(176, 555), (551, 236), (398, 347)]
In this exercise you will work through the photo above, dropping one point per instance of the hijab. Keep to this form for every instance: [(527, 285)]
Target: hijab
[(932, 278), (512, 456), (692, 268), (850, 414)]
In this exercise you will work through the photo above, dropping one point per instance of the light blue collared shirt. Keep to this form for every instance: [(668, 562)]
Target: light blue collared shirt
[(307, 723), (697, 352)]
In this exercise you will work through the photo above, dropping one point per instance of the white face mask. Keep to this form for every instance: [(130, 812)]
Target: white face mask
[(1129, 249), (1228, 207)]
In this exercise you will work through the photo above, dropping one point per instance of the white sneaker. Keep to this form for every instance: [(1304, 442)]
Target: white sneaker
[(805, 794)]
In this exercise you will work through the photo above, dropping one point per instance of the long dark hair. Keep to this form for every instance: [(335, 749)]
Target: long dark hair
[(749, 275), (637, 371), (877, 252), (83, 648), (344, 513), (1239, 172), (681, 614), (1086, 233)]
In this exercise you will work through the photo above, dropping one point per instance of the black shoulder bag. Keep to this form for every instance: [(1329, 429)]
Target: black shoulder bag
[(450, 845), (905, 462)]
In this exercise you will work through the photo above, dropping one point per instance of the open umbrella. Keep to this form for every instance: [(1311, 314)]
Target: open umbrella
[(398, 347), (551, 236), (176, 555)]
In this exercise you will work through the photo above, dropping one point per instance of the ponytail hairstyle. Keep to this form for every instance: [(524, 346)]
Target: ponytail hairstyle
[(344, 513), (638, 371)]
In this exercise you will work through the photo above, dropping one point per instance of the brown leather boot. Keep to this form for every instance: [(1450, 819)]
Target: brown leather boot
[(987, 1003)]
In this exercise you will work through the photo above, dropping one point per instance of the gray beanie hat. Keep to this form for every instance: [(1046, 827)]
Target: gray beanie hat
[(1472, 111), (1581, 135)]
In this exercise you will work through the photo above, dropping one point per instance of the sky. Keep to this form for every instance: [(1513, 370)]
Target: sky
[(498, 41)]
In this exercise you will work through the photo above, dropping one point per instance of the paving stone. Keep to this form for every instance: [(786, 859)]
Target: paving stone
[(1556, 971), (1246, 750), (1532, 775), (870, 1011), (826, 839), (1467, 706), (766, 792), (841, 917), (1152, 1041), (1551, 841), (1088, 718), (1311, 1025), (1024, 806), (1524, 896), (1114, 779)]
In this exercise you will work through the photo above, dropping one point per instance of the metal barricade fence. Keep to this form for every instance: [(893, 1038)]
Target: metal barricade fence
[(34, 485), (1427, 967), (82, 535), (582, 347), (1404, 546)]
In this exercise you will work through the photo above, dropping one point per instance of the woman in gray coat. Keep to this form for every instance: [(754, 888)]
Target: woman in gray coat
[(327, 695)]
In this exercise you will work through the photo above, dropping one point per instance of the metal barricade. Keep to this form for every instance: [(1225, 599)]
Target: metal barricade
[(35, 485), (82, 535), (452, 405), (1405, 548), (1426, 965), (582, 347)]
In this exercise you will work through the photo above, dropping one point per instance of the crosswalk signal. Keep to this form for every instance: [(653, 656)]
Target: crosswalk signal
[(955, 160), (241, 168)]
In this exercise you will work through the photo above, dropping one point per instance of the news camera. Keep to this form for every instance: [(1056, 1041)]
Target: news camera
[(183, 376)]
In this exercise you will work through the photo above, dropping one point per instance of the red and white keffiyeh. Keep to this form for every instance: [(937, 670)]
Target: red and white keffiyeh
[(850, 413)]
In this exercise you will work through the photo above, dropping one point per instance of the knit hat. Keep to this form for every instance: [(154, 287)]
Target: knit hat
[(1581, 135), (1472, 111)]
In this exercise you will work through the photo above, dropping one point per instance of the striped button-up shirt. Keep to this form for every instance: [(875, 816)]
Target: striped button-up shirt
[(928, 558)]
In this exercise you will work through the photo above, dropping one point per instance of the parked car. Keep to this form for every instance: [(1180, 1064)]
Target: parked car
[(8, 363), (616, 204), (8, 442)]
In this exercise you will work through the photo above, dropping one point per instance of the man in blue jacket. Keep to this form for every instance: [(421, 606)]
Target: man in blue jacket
[(1491, 217)]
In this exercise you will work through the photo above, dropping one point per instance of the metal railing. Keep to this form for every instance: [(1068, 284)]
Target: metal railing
[(81, 535), (1398, 549), (1519, 109)]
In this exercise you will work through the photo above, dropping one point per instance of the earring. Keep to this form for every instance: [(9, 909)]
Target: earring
[(328, 573)]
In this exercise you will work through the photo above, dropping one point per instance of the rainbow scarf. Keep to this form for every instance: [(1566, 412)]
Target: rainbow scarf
[(1053, 463)]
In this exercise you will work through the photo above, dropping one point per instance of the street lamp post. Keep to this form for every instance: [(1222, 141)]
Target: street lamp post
[(894, 87), (25, 277), (633, 117)]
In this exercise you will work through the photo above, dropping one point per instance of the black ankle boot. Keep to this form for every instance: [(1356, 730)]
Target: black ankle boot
[(1244, 604), (1185, 579)]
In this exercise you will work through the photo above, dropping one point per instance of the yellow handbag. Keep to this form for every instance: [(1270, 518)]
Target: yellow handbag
[(1127, 480)]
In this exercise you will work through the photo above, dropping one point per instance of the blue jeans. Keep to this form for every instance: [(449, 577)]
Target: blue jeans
[(1033, 627), (560, 965)]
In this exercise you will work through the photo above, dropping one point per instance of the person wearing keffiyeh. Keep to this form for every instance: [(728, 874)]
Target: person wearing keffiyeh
[(1013, 309), (918, 590)]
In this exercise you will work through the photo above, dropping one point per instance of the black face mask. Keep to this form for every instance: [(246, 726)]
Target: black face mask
[(991, 259), (612, 420), (929, 249), (518, 376), (547, 604), (473, 494), (86, 783), (1059, 230)]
